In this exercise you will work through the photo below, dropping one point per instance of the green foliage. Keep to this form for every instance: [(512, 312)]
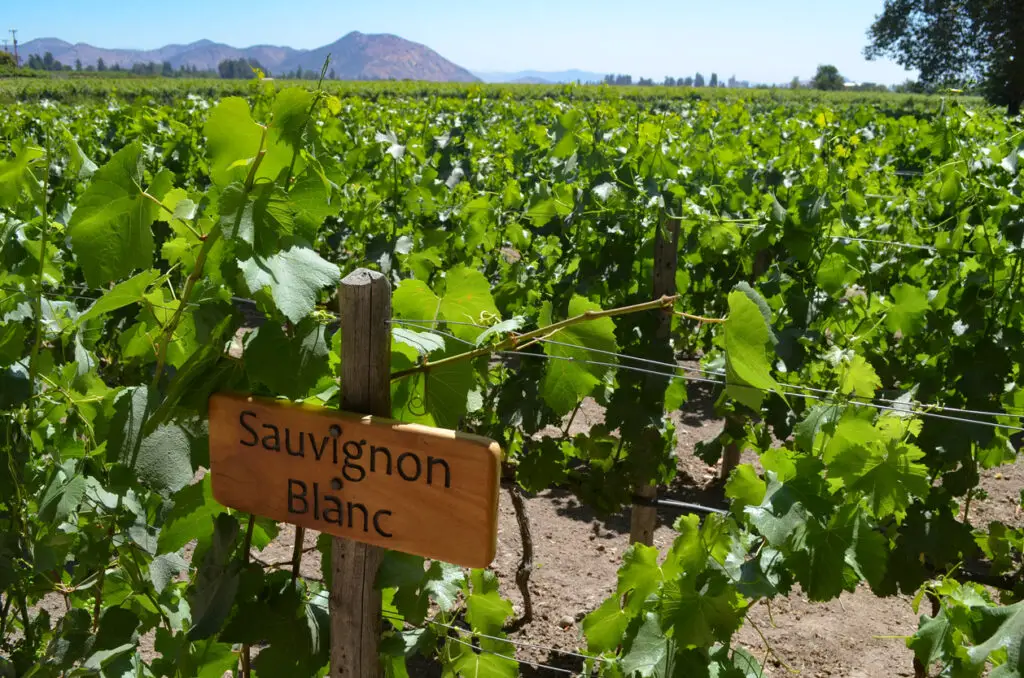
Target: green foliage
[(129, 231)]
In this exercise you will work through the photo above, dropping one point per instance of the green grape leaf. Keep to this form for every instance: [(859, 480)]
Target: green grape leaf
[(603, 628), (256, 220), (110, 228), (423, 343), (933, 639), (819, 559), (907, 314), (745, 488), (217, 580), (780, 515), (675, 395), (294, 277), (860, 378), (886, 471), (191, 517), (492, 662), (467, 299), (496, 331), (232, 140), (700, 617), (649, 653), (566, 382), (288, 365), (447, 392), (162, 459), (413, 300), (291, 113), (443, 583), (1002, 629), (61, 498), (819, 418), (164, 568), (16, 175), (836, 273), (486, 610), (639, 576), (542, 212), (747, 335), (12, 343), (131, 291)]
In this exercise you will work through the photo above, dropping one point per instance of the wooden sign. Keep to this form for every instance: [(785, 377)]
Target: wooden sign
[(427, 491)]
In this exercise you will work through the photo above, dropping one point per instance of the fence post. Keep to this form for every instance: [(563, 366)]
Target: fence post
[(355, 606), (644, 516)]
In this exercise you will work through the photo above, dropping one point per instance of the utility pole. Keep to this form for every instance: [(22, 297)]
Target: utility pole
[(14, 36)]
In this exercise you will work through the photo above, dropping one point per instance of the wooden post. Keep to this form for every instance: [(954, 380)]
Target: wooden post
[(365, 299), (644, 517)]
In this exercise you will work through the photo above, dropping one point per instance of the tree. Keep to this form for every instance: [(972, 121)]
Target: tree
[(794, 83), (101, 65), (698, 81), (238, 69), (78, 64), (827, 78), (688, 82), (955, 43), (167, 70), (7, 60), (714, 80)]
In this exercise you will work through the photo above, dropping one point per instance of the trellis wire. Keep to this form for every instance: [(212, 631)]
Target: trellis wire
[(906, 407), (510, 641), (687, 368)]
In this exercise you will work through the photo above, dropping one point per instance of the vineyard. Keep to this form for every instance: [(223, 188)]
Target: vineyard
[(832, 287)]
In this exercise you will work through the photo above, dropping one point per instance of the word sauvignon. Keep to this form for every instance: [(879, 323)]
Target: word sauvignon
[(356, 459)]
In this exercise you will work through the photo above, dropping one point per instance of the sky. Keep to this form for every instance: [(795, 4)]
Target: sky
[(755, 40)]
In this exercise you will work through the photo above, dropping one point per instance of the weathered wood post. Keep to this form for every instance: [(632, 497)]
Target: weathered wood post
[(365, 300), (644, 516)]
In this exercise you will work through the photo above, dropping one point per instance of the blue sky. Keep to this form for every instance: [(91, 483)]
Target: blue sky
[(758, 40)]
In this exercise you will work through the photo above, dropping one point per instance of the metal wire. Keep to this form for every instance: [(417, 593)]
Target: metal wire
[(905, 409), (832, 394), (546, 667), (699, 370), (511, 641)]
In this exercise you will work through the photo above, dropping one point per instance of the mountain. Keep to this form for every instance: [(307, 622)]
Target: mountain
[(541, 76), (357, 56)]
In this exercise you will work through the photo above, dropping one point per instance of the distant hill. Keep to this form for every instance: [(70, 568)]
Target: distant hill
[(356, 56), (541, 76)]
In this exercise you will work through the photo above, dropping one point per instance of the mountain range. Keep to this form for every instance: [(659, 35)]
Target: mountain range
[(357, 56), (540, 77)]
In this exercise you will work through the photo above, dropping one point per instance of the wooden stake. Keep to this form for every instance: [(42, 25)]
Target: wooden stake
[(365, 299), (644, 517)]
